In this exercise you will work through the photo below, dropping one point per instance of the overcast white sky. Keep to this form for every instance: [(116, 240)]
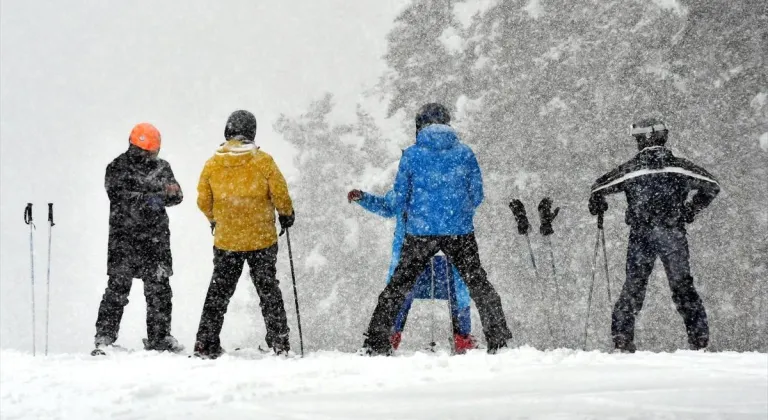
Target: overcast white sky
[(75, 76)]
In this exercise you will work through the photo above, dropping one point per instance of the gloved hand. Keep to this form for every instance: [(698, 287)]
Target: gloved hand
[(354, 195), (213, 227), (287, 221), (597, 204), (518, 210), (546, 215), (155, 202), (689, 214)]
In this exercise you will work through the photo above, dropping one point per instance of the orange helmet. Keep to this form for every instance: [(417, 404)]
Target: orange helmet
[(145, 136)]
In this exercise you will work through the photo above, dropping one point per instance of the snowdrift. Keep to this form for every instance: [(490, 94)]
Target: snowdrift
[(516, 384)]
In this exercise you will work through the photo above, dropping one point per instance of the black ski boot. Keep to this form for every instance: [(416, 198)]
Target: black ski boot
[(169, 343), (622, 346), (206, 352), (101, 344), (281, 346), (372, 348), (698, 343), (494, 346)]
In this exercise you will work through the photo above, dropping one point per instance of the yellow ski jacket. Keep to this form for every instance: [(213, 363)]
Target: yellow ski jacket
[(240, 188)]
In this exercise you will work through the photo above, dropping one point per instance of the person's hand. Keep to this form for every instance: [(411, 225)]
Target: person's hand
[(287, 221), (155, 202), (597, 204), (688, 213), (354, 195)]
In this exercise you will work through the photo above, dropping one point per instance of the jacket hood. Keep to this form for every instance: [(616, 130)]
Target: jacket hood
[(437, 137), (235, 152)]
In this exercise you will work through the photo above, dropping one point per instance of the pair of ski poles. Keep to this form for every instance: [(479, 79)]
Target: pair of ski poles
[(28, 219), (547, 216), (598, 240)]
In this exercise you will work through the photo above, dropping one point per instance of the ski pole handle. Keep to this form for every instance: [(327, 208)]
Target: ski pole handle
[(600, 221), (28, 214), (50, 214)]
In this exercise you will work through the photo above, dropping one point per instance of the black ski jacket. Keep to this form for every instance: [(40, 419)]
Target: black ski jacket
[(139, 236), (657, 185)]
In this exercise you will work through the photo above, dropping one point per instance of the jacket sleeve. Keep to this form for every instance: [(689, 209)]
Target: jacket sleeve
[(278, 190), (403, 185), (610, 183), (475, 181), (172, 199), (118, 189), (381, 205), (706, 187), (205, 193)]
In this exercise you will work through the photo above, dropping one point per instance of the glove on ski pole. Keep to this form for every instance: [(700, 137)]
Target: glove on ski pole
[(546, 215), (518, 210), (523, 227), (51, 224), (28, 220)]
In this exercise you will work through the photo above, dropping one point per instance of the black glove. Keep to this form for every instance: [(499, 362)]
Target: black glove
[(518, 210), (546, 215), (597, 204), (287, 221), (689, 214), (213, 227)]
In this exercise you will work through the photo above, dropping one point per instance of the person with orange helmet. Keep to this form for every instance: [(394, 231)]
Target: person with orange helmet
[(139, 186)]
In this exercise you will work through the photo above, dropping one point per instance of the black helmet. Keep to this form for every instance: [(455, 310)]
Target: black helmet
[(649, 132), (432, 113), (241, 123)]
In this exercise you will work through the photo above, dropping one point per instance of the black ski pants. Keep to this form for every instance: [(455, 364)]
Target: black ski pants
[(227, 268), (157, 291), (462, 252), (671, 246)]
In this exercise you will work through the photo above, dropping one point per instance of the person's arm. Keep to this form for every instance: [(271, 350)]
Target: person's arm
[(205, 194), (706, 187), (117, 186), (475, 181), (173, 193), (377, 204), (610, 183), (278, 190), (402, 187)]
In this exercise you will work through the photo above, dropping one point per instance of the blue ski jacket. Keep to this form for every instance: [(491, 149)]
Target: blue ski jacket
[(386, 206), (438, 184)]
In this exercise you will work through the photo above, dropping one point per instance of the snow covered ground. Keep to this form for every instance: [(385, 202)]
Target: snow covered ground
[(517, 384)]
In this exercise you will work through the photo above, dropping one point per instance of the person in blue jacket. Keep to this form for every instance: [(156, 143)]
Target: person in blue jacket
[(439, 281), (437, 189)]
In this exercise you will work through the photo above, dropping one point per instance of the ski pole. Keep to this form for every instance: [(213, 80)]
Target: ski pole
[(432, 343), (592, 282), (605, 254), (48, 282), (28, 220), (547, 216), (523, 227), (295, 293), (450, 287)]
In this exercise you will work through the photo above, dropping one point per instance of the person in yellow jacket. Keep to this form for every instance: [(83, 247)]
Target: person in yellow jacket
[(239, 191)]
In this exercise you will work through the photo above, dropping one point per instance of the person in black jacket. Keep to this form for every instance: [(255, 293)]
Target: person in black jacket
[(657, 185), (140, 186)]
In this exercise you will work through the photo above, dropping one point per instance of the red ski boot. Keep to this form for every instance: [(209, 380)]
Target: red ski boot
[(394, 339), (462, 343)]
